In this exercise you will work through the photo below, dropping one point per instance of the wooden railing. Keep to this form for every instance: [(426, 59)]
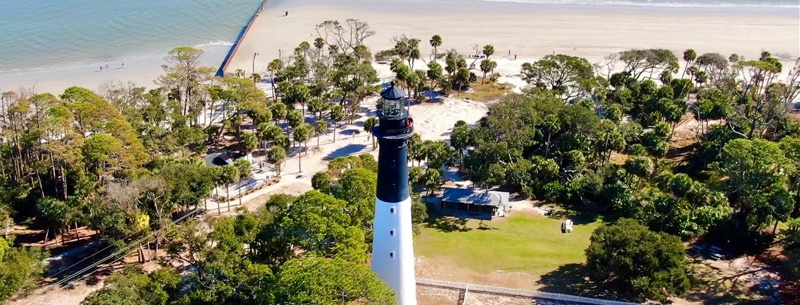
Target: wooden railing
[(503, 291)]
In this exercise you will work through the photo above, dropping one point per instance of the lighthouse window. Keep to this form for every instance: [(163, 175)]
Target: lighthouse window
[(391, 210), (391, 233), (393, 109), (391, 254)]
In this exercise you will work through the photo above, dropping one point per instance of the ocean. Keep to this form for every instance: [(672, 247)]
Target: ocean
[(46, 34), (43, 37)]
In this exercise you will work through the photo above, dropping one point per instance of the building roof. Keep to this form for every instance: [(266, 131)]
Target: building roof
[(476, 197), (218, 159), (392, 93)]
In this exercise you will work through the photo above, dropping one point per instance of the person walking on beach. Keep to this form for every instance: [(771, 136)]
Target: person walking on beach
[(101, 68), (123, 65), (287, 13)]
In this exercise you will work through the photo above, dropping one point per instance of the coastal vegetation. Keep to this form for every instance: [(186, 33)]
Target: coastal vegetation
[(125, 162)]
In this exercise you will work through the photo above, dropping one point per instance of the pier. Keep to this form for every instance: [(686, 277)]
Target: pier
[(242, 34)]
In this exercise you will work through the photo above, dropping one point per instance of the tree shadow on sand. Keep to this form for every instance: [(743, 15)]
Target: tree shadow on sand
[(345, 151), (574, 279)]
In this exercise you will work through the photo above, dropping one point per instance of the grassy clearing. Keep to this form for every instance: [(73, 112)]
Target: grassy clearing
[(520, 243), (485, 92)]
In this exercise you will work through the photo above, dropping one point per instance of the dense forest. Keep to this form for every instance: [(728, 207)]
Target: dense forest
[(125, 161), (604, 144)]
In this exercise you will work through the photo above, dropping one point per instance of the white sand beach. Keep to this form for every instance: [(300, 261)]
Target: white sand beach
[(141, 71), (526, 30)]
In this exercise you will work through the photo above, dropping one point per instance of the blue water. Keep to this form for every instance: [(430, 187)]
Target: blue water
[(47, 34)]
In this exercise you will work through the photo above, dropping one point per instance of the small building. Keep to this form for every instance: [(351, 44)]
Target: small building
[(219, 159), (480, 204)]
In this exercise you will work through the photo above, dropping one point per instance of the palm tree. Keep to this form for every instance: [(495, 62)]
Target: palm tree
[(296, 93), (249, 142), (319, 128), (261, 134), (272, 133), (337, 115), (414, 148), (434, 73), (436, 42), (700, 77), (275, 66), (244, 170), (462, 78), (229, 175), (317, 106), (368, 126), (276, 156), (412, 82), (413, 56), (396, 63), (319, 43), (488, 50), (422, 77), (433, 180), (333, 50), (689, 56), (305, 46), (295, 118), (279, 111), (300, 135), (486, 67)]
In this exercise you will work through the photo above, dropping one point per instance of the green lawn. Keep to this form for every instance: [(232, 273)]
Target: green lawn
[(520, 243)]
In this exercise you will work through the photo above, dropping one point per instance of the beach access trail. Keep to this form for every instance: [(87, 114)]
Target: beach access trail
[(433, 121)]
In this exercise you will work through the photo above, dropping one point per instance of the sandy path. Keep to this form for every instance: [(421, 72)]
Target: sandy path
[(59, 296), (433, 121)]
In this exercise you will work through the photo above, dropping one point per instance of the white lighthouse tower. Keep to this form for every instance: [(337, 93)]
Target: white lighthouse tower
[(392, 248)]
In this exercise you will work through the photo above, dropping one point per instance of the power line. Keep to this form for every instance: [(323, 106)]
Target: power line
[(98, 252), (104, 249), (114, 256)]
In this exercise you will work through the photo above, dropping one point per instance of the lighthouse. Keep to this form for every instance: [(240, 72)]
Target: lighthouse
[(392, 247)]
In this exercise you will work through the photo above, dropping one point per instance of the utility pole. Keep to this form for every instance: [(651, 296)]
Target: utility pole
[(254, 64)]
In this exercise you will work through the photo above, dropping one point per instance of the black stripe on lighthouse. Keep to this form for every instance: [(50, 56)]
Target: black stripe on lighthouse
[(393, 132), (393, 170)]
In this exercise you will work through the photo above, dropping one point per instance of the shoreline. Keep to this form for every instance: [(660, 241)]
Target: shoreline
[(141, 71), (242, 34), (529, 30)]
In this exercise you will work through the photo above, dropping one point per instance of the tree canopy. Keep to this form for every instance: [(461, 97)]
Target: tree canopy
[(635, 260)]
